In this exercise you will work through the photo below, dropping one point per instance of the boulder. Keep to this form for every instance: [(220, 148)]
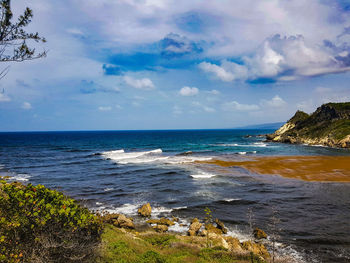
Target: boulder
[(175, 219), (123, 222), (145, 210), (220, 225), (256, 248), (109, 218), (259, 234), (234, 244), (194, 227), (162, 221), (160, 228), (212, 229)]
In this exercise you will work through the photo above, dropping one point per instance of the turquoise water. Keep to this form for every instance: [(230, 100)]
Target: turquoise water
[(120, 170)]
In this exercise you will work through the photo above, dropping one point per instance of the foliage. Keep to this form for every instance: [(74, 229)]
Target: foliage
[(160, 240), (121, 247), (39, 224), (13, 37), (331, 120)]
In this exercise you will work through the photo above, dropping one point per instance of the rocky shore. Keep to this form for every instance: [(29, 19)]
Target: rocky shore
[(328, 126), (200, 234)]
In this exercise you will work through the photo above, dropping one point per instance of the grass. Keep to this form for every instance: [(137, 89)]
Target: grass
[(122, 247)]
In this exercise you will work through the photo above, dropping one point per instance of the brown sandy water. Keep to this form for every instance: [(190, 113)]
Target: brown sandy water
[(308, 168)]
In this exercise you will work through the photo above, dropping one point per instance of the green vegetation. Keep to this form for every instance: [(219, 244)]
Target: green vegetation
[(298, 117), (38, 224), (134, 247), (42, 225), (328, 125)]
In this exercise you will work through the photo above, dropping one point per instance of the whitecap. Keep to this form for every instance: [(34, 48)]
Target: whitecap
[(260, 144), (21, 177), (242, 153), (108, 189), (202, 175), (231, 199)]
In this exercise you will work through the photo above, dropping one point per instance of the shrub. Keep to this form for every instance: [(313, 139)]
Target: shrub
[(42, 225), (160, 240)]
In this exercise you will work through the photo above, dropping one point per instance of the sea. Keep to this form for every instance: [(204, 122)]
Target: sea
[(118, 171)]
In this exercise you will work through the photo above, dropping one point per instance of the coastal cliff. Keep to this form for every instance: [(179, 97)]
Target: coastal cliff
[(329, 125)]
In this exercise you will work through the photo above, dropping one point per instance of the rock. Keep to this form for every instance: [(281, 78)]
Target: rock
[(194, 227), (123, 222), (175, 219), (234, 244), (160, 228), (145, 210), (220, 225), (259, 234), (257, 249), (212, 229), (109, 218), (162, 221)]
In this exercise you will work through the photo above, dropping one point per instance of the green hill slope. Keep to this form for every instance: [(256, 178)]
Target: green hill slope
[(329, 125)]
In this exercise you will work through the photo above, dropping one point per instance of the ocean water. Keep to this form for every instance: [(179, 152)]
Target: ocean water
[(120, 170)]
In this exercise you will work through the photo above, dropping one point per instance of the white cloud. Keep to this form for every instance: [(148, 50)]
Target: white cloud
[(218, 71), (214, 92), (4, 98), (203, 107), (105, 108), (235, 106), (144, 83), (283, 59), (26, 106), (117, 106), (188, 91), (275, 102)]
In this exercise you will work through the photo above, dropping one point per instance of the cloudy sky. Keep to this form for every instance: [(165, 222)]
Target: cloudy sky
[(173, 64)]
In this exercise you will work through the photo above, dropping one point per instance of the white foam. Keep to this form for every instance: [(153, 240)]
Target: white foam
[(154, 156), (21, 177), (98, 203), (231, 199), (180, 227), (242, 153), (127, 209), (260, 144), (202, 175), (157, 210), (108, 189)]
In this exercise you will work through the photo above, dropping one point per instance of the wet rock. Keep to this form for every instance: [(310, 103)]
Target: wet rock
[(123, 222), (257, 249), (145, 210), (220, 225), (259, 234), (212, 229), (194, 227), (175, 219), (162, 221), (160, 228)]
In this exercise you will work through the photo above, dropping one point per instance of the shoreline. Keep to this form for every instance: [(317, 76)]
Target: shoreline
[(306, 168)]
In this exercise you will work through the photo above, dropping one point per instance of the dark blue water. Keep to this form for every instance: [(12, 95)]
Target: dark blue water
[(120, 170)]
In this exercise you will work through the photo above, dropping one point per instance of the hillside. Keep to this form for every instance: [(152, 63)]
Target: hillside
[(329, 125)]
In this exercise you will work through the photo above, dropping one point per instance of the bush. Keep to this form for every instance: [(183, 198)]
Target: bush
[(42, 225), (160, 240)]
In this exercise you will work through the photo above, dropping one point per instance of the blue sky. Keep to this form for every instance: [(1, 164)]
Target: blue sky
[(173, 64)]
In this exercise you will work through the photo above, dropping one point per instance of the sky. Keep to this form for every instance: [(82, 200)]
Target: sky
[(176, 64)]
